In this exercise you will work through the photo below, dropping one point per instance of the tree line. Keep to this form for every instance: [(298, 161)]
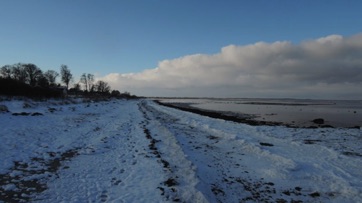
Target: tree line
[(27, 79)]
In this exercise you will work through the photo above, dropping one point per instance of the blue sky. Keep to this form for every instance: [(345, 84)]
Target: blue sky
[(129, 36)]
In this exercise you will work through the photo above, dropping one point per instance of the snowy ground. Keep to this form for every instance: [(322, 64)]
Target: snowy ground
[(138, 151)]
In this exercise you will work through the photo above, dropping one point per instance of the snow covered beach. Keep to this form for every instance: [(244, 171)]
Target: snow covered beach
[(139, 151)]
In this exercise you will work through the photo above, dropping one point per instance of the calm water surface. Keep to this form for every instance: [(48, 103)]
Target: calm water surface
[(296, 112)]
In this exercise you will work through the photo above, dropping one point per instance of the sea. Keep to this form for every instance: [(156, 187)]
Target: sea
[(294, 112)]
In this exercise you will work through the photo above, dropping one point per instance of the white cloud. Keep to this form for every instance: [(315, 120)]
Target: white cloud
[(328, 67)]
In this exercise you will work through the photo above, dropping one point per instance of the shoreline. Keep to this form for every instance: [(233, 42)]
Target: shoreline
[(242, 118), (219, 115)]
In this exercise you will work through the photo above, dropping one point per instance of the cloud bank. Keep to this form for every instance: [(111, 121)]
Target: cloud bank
[(328, 67)]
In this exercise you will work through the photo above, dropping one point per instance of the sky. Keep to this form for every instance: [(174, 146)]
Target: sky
[(186, 48)]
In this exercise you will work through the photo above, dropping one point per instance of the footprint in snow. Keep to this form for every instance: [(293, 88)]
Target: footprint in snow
[(115, 181), (104, 196)]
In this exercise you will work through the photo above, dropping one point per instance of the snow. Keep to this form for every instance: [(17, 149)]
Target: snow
[(139, 151)]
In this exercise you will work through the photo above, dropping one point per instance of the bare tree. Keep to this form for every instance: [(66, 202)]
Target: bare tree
[(66, 76), (102, 87), (42, 81), (87, 80), (90, 79), (5, 71), (18, 73), (84, 80), (33, 73), (51, 76)]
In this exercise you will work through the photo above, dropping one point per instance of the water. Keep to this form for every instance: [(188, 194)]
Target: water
[(297, 112)]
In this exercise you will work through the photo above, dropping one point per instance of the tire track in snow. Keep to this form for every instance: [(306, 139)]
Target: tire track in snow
[(180, 185), (215, 168)]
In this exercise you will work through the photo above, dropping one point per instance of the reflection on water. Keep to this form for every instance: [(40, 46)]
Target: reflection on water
[(296, 112)]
